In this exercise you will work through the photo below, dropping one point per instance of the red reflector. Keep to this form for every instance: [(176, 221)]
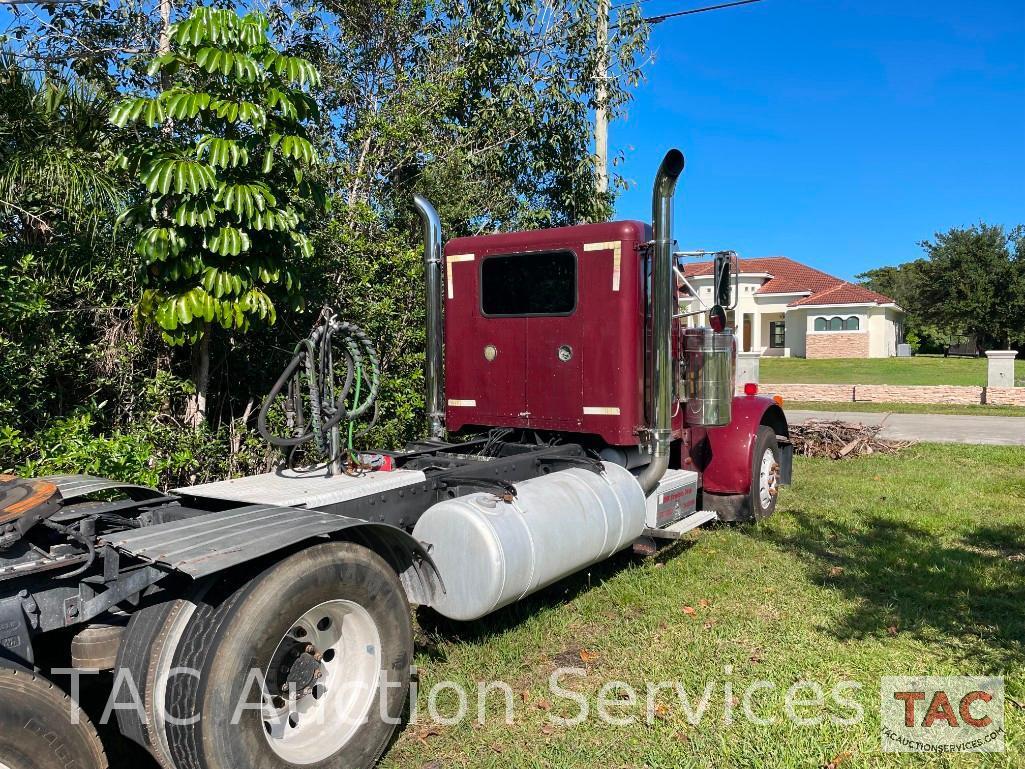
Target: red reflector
[(750, 388)]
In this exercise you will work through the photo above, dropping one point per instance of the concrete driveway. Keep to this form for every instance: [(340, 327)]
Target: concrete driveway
[(937, 428)]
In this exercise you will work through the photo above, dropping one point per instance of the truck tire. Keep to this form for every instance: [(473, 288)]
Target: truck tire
[(145, 658), (36, 726), (308, 664), (764, 473)]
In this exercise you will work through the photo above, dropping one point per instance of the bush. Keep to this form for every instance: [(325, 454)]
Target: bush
[(69, 446), (159, 455)]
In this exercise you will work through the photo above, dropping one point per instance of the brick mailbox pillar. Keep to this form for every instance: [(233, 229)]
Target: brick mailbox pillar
[(1001, 368)]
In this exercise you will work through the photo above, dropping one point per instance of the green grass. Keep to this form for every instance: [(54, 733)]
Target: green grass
[(919, 370), (908, 408), (881, 565)]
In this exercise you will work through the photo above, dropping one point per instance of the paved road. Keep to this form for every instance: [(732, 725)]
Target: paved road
[(939, 428)]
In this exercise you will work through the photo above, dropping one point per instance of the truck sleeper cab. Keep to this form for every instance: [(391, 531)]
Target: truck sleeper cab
[(549, 331)]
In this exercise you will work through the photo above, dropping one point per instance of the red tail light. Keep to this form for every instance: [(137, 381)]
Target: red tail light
[(750, 388)]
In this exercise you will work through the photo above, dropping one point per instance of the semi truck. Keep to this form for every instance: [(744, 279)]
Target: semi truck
[(265, 621)]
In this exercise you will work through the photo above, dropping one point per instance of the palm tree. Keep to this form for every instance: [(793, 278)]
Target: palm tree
[(55, 157)]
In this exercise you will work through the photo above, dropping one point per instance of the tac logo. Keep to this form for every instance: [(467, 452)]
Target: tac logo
[(942, 714)]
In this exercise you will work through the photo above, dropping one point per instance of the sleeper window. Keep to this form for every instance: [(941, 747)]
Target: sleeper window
[(543, 283)]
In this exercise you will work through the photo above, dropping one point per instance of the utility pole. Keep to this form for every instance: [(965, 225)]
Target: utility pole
[(601, 112)]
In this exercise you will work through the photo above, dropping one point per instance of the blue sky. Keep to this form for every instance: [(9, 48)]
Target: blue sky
[(838, 133)]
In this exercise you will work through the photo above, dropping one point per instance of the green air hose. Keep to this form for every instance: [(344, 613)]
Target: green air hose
[(355, 397), (314, 358)]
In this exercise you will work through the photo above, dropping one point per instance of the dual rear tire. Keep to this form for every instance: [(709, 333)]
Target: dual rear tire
[(307, 664)]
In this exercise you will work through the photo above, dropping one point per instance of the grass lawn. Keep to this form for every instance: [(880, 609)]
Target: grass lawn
[(919, 370), (908, 408), (881, 565)]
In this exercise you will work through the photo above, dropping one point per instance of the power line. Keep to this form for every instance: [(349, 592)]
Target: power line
[(690, 11), (665, 16)]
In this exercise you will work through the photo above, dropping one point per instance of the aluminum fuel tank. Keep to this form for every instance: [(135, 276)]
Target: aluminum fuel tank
[(491, 553)]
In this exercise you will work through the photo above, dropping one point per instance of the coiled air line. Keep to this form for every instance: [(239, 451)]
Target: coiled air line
[(314, 357)]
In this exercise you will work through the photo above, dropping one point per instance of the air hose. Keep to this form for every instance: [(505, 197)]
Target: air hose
[(313, 358)]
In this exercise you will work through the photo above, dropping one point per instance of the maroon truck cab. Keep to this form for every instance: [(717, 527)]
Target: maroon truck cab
[(548, 330), (545, 330)]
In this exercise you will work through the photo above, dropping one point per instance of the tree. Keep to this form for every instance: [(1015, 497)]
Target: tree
[(974, 281), (485, 107), (227, 191), (55, 149)]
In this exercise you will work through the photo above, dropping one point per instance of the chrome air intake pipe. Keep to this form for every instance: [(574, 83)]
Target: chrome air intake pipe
[(433, 367), (662, 310)]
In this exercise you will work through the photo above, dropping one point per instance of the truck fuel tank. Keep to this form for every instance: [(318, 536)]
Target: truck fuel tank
[(491, 553)]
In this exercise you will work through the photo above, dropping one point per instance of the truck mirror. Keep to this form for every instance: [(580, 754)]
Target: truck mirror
[(723, 291)]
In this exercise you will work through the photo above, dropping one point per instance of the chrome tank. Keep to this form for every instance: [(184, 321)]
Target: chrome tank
[(708, 375), (491, 553)]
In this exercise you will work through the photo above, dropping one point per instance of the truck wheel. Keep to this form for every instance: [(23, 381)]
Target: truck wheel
[(764, 473), (145, 658), (37, 730), (306, 665)]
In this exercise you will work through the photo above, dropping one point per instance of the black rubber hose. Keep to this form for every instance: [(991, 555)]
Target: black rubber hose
[(315, 352), (261, 420)]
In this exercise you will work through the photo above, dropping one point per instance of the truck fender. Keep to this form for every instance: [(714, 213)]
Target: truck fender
[(410, 559), (723, 454), (215, 542)]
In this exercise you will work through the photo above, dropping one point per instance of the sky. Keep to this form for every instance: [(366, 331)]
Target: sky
[(839, 133)]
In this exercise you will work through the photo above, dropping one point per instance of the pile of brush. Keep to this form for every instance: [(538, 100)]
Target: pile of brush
[(840, 440)]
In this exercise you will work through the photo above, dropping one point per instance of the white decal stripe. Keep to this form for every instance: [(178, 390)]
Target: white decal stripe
[(616, 247), (454, 402), (602, 410), (449, 261)]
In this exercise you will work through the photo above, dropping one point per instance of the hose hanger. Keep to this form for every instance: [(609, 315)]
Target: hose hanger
[(329, 407)]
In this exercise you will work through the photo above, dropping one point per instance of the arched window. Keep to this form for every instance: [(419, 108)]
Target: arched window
[(852, 324), (820, 324), (836, 324)]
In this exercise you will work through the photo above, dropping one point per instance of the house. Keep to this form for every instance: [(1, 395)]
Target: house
[(789, 309)]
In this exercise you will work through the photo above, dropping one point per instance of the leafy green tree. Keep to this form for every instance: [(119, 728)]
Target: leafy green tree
[(223, 153), (903, 283), (971, 283), (55, 148), (65, 283), (974, 281)]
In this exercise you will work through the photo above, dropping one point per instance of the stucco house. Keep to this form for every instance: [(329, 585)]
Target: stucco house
[(789, 309)]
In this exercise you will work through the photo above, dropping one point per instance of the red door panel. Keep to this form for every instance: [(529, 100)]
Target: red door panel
[(554, 367), (499, 374)]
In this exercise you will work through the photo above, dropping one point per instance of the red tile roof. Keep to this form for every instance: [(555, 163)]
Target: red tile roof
[(788, 277), (782, 286), (845, 293)]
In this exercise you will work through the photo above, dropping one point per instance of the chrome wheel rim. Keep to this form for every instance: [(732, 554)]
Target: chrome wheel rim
[(768, 479), (321, 682)]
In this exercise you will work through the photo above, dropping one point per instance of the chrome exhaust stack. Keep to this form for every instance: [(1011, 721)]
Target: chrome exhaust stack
[(662, 310), (433, 366)]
